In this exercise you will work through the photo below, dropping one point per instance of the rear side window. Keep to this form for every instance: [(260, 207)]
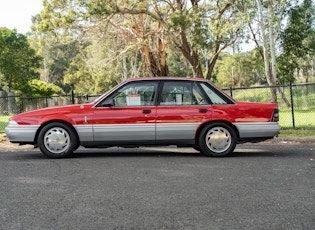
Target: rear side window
[(216, 97), (181, 93)]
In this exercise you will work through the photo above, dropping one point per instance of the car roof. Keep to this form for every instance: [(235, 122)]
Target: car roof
[(166, 78)]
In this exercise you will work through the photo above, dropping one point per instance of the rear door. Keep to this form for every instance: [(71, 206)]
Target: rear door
[(182, 108)]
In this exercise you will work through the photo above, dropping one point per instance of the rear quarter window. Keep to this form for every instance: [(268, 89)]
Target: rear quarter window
[(216, 97)]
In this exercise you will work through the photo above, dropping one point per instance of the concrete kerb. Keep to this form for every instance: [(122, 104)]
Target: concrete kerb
[(302, 140)]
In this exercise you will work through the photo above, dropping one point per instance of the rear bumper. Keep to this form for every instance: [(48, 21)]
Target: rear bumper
[(257, 129)]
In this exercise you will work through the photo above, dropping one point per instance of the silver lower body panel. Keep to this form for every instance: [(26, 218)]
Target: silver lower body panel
[(257, 129), (21, 133)]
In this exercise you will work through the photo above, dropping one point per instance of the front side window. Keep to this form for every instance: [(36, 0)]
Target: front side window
[(134, 94)]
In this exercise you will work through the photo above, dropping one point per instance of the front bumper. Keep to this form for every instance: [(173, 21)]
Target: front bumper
[(21, 133)]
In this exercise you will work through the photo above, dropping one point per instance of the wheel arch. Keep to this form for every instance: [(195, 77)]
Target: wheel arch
[(212, 122), (52, 121)]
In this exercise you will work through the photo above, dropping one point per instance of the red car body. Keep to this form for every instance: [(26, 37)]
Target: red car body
[(149, 111)]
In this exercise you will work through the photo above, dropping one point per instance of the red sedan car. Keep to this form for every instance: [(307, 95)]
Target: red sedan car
[(145, 112)]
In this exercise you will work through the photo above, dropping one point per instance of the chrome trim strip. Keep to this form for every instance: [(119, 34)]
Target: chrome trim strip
[(257, 129), (21, 133)]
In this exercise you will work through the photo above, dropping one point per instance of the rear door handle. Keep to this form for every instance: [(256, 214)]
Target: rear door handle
[(203, 110), (146, 111)]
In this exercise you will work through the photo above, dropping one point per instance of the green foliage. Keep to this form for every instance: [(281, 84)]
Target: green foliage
[(200, 30), (298, 38), (41, 88), (239, 70), (100, 8), (58, 52), (18, 62), (61, 55), (286, 67), (93, 76), (298, 42), (178, 66), (89, 45)]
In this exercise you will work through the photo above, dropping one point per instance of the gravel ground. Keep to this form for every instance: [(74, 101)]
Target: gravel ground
[(6, 146)]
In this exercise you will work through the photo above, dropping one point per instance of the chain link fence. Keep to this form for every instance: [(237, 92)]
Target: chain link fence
[(296, 103)]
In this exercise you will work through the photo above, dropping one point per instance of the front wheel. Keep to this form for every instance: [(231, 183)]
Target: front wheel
[(57, 140), (217, 140)]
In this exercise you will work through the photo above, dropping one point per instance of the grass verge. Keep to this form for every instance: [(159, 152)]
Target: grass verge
[(297, 133), (4, 120)]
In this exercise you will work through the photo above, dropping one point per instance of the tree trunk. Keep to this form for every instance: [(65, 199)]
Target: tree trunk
[(154, 62), (191, 56), (284, 98), (268, 71), (272, 46), (211, 65)]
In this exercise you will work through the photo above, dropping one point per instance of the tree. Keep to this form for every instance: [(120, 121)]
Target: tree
[(18, 62), (57, 50), (239, 70), (200, 30), (298, 41), (267, 18), (99, 66), (41, 88)]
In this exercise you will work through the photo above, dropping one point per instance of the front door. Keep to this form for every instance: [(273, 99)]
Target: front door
[(127, 115)]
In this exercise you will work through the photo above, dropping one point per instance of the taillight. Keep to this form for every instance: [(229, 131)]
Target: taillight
[(275, 115)]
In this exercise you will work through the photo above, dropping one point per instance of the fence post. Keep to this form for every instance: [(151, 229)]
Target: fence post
[(72, 97), (231, 91), (292, 106)]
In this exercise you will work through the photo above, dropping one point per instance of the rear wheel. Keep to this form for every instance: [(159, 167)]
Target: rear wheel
[(57, 140), (217, 140)]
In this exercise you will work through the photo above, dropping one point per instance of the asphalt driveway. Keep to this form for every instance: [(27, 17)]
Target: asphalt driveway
[(262, 186)]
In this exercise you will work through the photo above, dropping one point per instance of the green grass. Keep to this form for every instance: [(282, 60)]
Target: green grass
[(4, 120), (302, 119), (297, 133)]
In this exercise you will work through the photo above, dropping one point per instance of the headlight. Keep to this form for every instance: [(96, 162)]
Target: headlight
[(12, 122)]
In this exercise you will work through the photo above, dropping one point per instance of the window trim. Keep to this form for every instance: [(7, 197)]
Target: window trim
[(101, 104), (193, 84)]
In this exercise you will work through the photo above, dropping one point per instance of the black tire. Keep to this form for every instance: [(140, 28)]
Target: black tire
[(57, 140), (196, 147), (217, 140)]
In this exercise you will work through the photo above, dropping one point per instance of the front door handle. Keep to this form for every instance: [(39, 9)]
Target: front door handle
[(146, 111), (203, 110)]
